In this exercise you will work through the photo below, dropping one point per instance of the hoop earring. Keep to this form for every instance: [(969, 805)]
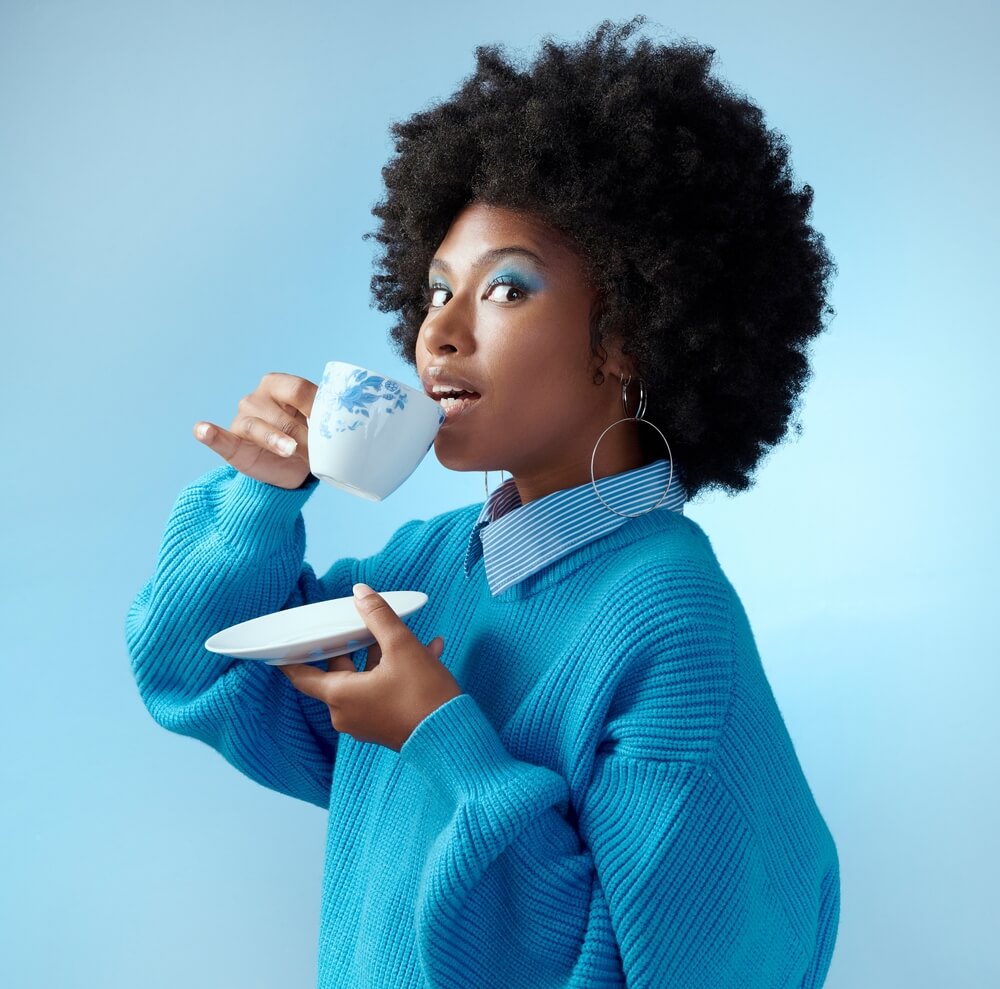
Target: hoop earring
[(638, 417), (486, 475)]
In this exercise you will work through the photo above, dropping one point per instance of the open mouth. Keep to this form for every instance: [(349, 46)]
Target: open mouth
[(458, 403)]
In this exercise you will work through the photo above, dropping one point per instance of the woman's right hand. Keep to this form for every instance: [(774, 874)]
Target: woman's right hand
[(268, 439)]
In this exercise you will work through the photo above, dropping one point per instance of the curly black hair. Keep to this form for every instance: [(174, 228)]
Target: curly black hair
[(680, 203)]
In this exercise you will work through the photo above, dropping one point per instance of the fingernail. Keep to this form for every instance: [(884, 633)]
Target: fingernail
[(285, 444), (201, 430), (362, 590)]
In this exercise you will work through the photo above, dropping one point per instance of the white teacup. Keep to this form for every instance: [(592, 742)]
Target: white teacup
[(367, 433)]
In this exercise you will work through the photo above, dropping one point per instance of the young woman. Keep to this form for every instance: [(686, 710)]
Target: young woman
[(568, 768)]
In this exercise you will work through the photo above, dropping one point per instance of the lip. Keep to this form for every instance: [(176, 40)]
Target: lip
[(437, 374), (457, 411)]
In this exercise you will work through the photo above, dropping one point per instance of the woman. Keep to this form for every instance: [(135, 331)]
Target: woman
[(582, 779)]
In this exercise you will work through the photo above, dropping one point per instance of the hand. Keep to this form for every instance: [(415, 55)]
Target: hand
[(402, 682), (268, 439)]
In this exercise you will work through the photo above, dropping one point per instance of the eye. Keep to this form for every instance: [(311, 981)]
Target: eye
[(513, 291), (436, 298)]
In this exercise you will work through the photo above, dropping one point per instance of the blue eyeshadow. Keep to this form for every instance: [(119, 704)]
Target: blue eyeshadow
[(529, 282)]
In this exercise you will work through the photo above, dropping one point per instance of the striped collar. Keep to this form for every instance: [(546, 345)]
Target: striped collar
[(518, 540)]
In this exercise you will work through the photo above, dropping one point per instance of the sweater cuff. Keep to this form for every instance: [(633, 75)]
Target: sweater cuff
[(254, 511), (458, 752)]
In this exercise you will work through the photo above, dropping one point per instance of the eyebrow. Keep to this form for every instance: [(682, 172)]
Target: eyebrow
[(490, 256)]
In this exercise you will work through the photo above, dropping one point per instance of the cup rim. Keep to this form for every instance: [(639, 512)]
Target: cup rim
[(410, 389)]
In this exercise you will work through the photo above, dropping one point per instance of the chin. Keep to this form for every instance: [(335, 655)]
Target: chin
[(451, 456)]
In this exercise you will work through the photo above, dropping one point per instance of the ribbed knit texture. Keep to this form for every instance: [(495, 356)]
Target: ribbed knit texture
[(614, 799), (517, 540)]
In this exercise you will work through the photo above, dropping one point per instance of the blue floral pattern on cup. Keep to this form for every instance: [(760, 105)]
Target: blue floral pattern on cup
[(360, 394)]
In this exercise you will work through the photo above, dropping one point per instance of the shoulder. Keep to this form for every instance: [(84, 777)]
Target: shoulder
[(680, 633), (425, 542), (670, 583), (456, 521), (454, 525), (661, 563)]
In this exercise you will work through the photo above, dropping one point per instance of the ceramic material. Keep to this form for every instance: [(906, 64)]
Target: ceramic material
[(368, 433), (309, 633)]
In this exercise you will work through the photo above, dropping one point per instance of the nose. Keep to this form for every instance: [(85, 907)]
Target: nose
[(448, 329)]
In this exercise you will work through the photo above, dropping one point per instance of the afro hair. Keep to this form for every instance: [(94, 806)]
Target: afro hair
[(680, 203)]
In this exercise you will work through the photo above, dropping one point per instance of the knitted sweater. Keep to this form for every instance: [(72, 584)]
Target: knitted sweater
[(614, 800)]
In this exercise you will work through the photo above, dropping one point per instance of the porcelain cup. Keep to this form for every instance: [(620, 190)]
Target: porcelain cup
[(367, 432)]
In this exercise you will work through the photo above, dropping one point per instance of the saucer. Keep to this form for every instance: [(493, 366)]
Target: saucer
[(308, 633)]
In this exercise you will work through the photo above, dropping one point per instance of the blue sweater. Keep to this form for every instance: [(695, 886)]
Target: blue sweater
[(614, 800)]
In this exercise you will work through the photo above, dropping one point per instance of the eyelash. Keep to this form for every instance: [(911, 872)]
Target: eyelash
[(499, 280)]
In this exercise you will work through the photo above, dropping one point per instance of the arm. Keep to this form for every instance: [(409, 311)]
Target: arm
[(650, 877), (233, 549), (508, 895), (657, 882)]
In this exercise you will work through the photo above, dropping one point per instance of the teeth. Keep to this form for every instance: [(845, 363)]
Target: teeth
[(445, 389), (450, 403)]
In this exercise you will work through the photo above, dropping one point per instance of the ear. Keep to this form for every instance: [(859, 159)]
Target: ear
[(612, 362)]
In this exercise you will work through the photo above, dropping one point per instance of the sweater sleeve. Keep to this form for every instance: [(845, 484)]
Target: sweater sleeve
[(508, 896), (650, 877), (233, 549), (657, 881)]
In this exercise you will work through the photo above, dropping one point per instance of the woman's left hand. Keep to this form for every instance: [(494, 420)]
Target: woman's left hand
[(403, 681)]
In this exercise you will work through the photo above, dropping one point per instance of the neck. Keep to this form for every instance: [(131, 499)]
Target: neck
[(612, 458)]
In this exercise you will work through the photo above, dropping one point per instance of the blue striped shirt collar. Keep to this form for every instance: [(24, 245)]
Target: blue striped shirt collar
[(518, 540)]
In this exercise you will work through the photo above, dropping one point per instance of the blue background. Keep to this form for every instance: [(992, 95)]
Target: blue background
[(183, 190)]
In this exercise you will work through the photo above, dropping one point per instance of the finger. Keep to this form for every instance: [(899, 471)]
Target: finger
[(341, 663), (241, 454), (223, 442), (288, 420), (436, 647), (382, 621), (307, 679), (374, 657), (272, 429), (324, 686), (291, 390)]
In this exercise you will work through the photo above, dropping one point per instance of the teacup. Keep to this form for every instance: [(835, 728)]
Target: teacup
[(367, 432)]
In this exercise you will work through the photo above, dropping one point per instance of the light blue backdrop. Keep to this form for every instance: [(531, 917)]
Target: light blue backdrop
[(183, 190)]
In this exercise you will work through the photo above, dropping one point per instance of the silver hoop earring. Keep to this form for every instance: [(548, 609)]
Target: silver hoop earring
[(486, 475), (638, 417)]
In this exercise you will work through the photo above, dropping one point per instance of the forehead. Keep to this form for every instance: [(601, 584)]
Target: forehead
[(480, 228)]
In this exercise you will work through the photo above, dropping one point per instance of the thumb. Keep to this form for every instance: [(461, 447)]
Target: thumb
[(388, 628)]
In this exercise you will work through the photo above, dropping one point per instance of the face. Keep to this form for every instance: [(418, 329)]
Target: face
[(509, 312)]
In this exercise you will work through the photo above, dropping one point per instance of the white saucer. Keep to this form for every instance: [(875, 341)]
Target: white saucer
[(308, 633)]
